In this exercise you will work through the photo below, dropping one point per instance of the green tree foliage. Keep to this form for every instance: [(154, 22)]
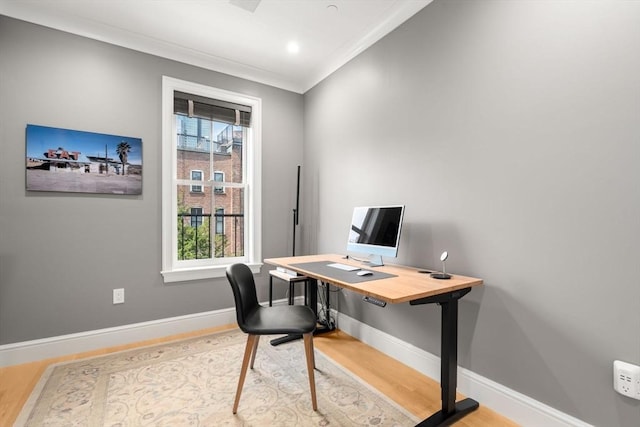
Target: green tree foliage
[(195, 242)]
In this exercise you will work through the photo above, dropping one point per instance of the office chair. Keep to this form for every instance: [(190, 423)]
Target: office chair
[(256, 320)]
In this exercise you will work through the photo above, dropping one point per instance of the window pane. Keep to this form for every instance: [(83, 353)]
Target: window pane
[(194, 145), (230, 223), (220, 221), (196, 202), (196, 175), (194, 223), (193, 133), (229, 151), (196, 217), (192, 161), (218, 177)]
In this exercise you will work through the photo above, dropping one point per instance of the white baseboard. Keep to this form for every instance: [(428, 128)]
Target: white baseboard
[(513, 405), (30, 351)]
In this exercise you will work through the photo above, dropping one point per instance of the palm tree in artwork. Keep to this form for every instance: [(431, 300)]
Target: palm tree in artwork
[(123, 152)]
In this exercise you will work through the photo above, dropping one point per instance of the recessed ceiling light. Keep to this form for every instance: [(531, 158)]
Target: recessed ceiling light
[(332, 8), (293, 47)]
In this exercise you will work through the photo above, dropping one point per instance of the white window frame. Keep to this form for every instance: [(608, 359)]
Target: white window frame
[(177, 271)]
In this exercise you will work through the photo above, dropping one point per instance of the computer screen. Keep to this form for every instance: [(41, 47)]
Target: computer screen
[(375, 230)]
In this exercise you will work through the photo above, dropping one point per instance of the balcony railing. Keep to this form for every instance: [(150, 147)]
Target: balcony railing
[(203, 144), (194, 236)]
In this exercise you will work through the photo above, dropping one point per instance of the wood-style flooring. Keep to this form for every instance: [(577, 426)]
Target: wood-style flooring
[(415, 392)]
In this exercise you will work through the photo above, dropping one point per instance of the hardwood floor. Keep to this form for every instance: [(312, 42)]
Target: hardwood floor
[(415, 392), (409, 388)]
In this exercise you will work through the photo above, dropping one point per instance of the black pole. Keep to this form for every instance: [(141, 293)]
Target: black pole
[(293, 250), (296, 212), (312, 284)]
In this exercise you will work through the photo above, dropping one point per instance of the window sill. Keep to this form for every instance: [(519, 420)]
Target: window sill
[(200, 273)]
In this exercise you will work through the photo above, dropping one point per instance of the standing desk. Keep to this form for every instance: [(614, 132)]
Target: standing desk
[(398, 284)]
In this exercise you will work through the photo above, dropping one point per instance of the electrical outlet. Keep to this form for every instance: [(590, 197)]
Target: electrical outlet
[(118, 296), (626, 379)]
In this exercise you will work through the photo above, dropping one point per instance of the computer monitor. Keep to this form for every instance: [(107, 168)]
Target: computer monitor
[(375, 230)]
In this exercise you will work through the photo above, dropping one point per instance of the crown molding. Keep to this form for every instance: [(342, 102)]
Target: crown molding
[(49, 17)]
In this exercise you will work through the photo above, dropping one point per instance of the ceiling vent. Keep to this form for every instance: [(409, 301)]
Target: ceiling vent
[(248, 5)]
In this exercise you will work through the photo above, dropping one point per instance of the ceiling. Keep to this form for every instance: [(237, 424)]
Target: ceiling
[(245, 38)]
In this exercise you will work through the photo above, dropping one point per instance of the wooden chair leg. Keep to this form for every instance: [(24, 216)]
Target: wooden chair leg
[(313, 353), (255, 350), (308, 349), (251, 342)]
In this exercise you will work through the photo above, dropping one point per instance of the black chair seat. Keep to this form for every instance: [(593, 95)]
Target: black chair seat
[(280, 320)]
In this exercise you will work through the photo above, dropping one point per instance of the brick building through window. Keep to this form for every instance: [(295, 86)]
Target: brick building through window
[(215, 161)]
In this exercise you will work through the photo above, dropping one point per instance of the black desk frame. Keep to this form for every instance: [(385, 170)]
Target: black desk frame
[(451, 411), (310, 296)]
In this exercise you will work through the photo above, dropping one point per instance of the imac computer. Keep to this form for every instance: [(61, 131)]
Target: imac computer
[(375, 230)]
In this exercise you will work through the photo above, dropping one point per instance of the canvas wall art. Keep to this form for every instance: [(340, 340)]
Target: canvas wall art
[(82, 162)]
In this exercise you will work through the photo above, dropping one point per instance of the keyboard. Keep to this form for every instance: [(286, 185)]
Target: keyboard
[(343, 267)]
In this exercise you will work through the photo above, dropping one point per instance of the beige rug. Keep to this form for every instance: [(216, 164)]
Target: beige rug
[(193, 382)]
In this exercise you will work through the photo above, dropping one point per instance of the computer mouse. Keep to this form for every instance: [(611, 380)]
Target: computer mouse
[(364, 273)]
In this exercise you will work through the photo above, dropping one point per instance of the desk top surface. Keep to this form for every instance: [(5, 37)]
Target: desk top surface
[(407, 283)]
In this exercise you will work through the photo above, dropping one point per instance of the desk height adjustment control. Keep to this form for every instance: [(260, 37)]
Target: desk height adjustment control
[(374, 301)]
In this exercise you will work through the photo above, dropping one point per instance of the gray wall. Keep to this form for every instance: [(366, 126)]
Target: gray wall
[(509, 129), (61, 254), (511, 132)]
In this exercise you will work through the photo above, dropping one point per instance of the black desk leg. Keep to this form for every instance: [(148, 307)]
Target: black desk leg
[(312, 286), (312, 290), (325, 326), (451, 411)]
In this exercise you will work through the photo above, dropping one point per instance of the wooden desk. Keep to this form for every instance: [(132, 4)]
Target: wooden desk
[(406, 285)]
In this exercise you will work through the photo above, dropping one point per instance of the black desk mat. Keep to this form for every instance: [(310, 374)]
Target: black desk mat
[(322, 268)]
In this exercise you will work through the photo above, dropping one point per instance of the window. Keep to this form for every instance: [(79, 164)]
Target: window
[(209, 132), (220, 221), (218, 176), (196, 217), (196, 176)]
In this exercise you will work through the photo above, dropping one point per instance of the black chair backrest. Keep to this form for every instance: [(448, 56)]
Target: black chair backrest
[(244, 292)]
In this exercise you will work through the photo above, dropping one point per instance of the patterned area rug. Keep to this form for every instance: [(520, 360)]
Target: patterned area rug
[(193, 383)]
